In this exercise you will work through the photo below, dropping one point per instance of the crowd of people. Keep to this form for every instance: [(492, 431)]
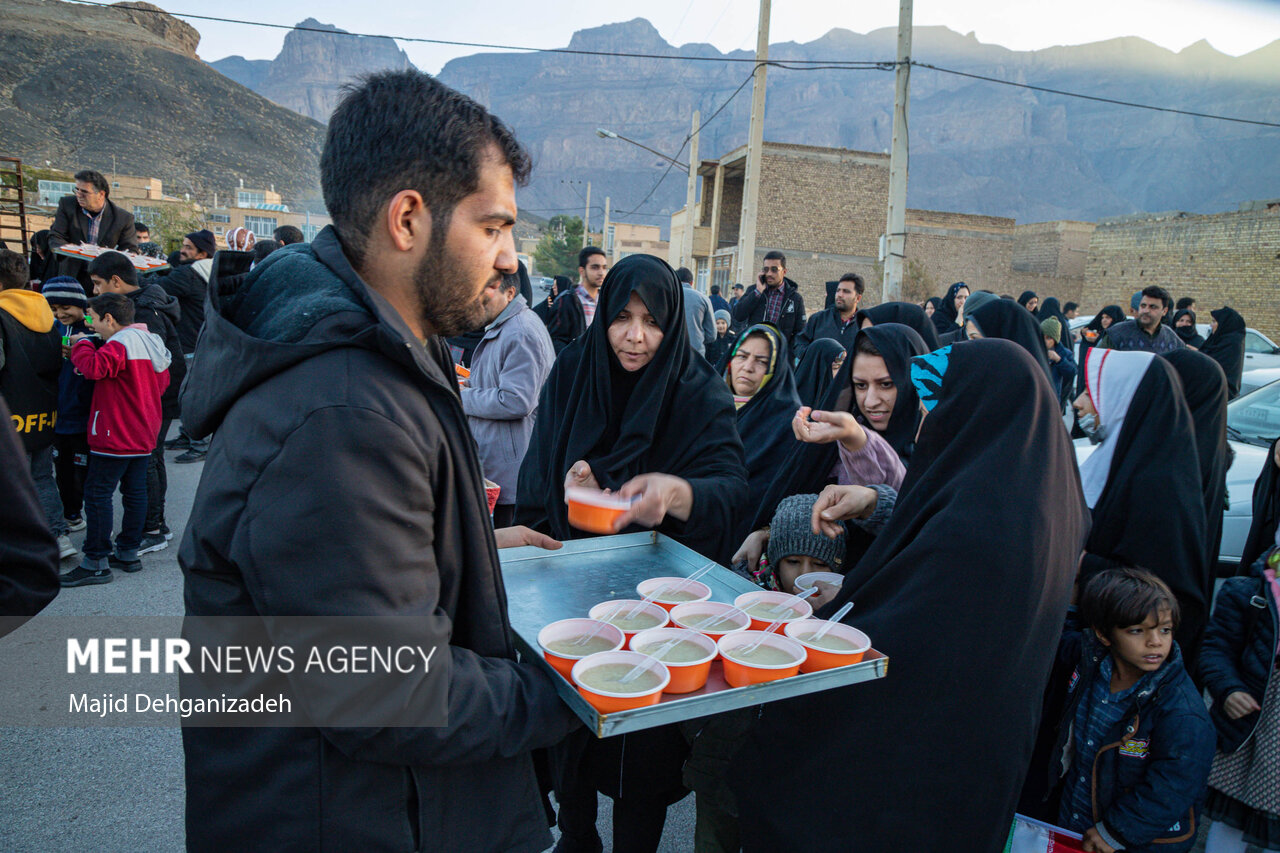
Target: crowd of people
[(1054, 645)]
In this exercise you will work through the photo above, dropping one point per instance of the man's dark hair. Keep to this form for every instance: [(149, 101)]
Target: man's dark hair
[(287, 235), (14, 271), (405, 130), (1070, 306), (1118, 598), (1186, 302), (684, 275), (585, 255), (1155, 291), (89, 176), (116, 305), (110, 264), (715, 290), (262, 248), (139, 227), (775, 255), (858, 284)]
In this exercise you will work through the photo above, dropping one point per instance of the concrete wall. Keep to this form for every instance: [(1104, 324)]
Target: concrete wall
[(1225, 258)]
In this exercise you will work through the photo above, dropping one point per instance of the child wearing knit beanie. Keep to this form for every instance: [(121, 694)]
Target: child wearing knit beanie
[(794, 549)]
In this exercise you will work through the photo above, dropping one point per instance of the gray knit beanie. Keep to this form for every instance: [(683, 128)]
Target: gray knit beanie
[(791, 534)]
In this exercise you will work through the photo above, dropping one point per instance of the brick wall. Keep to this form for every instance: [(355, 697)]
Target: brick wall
[(1052, 248), (950, 247), (1225, 258), (827, 200)]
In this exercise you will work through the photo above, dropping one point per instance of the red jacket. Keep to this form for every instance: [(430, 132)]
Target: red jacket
[(130, 372)]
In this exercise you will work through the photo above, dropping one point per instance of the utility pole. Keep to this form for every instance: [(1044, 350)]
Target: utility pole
[(691, 195), (586, 218), (755, 144), (896, 227), (604, 233)]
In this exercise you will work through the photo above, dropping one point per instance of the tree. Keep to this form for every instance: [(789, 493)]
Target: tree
[(170, 222), (557, 251)]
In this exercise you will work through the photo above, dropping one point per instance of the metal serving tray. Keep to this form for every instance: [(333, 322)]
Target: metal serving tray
[(544, 586)]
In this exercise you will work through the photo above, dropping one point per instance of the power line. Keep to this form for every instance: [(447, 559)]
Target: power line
[(1098, 98), (791, 64), (452, 43)]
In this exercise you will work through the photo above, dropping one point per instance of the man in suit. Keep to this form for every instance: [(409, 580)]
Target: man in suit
[(90, 216)]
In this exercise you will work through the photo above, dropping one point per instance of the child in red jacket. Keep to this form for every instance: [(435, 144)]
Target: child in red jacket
[(130, 370)]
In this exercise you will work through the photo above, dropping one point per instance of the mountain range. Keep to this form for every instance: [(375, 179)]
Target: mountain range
[(976, 146), (121, 89), (139, 92)]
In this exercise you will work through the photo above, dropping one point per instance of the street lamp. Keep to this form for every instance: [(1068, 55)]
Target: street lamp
[(609, 134)]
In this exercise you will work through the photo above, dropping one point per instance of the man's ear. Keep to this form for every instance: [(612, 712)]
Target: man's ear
[(408, 221), (1106, 641)]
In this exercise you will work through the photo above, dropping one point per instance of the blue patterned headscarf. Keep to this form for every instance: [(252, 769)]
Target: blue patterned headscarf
[(927, 373)]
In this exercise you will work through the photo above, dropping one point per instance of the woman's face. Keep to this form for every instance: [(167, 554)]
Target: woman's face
[(928, 310), (749, 366), (873, 390), (961, 295), (634, 334), (837, 364), (1033, 303), (1213, 324), (971, 330), (1184, 321), (1105, 322)]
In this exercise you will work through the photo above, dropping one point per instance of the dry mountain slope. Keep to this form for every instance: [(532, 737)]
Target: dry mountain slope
[(80, 84)]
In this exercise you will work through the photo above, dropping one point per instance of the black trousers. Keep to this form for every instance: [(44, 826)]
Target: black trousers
[(70, 466), (157, 480)]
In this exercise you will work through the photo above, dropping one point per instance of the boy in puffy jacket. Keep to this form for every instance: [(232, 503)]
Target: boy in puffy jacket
[(130, 371), (1135, 743)]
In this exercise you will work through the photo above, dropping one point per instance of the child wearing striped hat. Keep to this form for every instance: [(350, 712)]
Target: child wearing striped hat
[(67, 300)]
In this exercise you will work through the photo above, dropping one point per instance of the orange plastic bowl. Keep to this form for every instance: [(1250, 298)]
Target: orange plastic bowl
[(463, 373), (594, 511), (683, 614), (607, 702), (687, 676), (606, 608), (567, 629), (826, 658), (699, 590), (799, 609), (740, 673)]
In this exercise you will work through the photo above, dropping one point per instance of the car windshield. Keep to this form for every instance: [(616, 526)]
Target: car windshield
[(1255, 417)]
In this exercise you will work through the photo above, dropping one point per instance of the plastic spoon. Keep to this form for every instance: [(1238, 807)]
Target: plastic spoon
[(773, 626), (786, 605), (635, 671), (586, 638), (651, 597), (831, 623)]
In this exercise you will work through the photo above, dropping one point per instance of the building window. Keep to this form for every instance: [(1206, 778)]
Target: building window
[(309, 232), (115, 185), (608, 241), (261, 226), (250, 199), (51, 192), (219, 217), (146, 214)]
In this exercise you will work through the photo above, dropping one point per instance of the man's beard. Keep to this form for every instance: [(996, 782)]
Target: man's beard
[(450, 305)]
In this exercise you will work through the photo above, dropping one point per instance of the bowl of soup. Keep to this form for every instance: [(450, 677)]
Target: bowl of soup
[(688, 661), (810, 579), (631, 615), (568, 641), (593, 510), (773, 657), (708, 617), (766, 607), (840, 646), (668, 592), (599, 678)]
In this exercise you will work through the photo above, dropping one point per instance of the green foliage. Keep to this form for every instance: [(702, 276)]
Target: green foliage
[(557, 251), (170, 222)]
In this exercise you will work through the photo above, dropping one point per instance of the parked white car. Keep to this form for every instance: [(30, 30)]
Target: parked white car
[(1253, 423)]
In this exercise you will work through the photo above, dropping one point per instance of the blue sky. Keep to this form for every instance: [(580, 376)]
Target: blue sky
[(1232, 26)]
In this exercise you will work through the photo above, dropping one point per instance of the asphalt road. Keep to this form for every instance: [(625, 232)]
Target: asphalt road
[(121, 789)]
